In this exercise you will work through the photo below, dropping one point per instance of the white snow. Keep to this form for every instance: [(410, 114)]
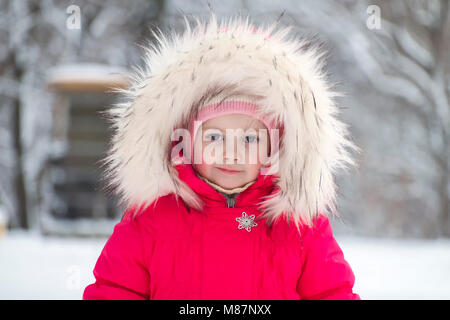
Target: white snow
[(37, 267), (399, 269)]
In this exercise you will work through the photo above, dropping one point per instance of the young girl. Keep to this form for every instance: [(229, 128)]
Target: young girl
[(208, 217)]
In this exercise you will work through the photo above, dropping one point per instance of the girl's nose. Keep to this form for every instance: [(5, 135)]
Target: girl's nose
[(234, 151)]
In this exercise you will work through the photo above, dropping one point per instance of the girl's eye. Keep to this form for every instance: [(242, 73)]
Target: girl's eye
[(213, 137), (250, 139)]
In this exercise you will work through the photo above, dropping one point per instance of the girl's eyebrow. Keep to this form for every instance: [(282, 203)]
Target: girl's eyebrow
[(213, 128), (256, 130)]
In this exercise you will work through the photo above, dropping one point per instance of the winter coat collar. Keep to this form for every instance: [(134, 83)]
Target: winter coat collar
[(223, 190), (252, 196)]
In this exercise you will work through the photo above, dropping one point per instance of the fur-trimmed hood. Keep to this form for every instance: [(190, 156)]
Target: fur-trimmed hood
[(182, 70)]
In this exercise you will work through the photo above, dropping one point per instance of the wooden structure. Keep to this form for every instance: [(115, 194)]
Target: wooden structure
[(80, 137)]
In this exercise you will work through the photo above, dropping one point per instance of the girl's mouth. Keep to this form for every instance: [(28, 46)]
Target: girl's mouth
[(229, 171)]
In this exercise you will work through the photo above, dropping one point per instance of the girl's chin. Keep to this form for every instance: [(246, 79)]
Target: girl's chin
[(230, 182), (228, 187)]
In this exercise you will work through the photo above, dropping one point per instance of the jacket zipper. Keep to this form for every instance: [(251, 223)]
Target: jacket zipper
[(231, 199)]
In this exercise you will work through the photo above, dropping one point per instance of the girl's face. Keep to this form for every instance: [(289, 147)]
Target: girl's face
[(235, 158)]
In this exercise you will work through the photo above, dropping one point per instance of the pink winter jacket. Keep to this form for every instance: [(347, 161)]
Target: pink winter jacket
[(169, 251)]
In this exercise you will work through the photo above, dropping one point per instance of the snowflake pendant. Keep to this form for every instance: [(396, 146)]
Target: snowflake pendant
[(246, 222)]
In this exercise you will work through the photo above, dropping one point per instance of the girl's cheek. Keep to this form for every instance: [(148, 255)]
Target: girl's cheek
[(260, 153), (209, 154), (265, 146)]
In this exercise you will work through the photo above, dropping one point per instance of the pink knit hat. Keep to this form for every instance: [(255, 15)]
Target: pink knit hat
[(217, 109)]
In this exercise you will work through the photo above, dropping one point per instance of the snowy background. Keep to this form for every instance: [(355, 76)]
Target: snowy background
[(390, 58)]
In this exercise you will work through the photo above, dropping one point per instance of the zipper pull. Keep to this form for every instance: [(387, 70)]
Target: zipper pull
[(231, 199)]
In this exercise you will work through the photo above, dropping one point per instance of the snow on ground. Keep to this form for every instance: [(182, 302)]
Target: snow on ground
[(37, 267), (399, 269)]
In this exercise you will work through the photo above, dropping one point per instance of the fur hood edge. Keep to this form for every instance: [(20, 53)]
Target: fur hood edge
[(180, 70)]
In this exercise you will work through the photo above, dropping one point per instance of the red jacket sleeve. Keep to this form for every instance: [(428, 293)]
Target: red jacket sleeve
[(120, 270), (325, 273)]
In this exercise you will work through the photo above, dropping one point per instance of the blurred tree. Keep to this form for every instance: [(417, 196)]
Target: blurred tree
[(23, 31), (407, 59), (419, 32), (35, 36)]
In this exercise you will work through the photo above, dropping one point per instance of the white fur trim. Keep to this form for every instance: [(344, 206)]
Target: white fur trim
[(286, 75)]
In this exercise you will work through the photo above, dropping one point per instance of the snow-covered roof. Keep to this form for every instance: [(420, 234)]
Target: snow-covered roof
[(86, 77)]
